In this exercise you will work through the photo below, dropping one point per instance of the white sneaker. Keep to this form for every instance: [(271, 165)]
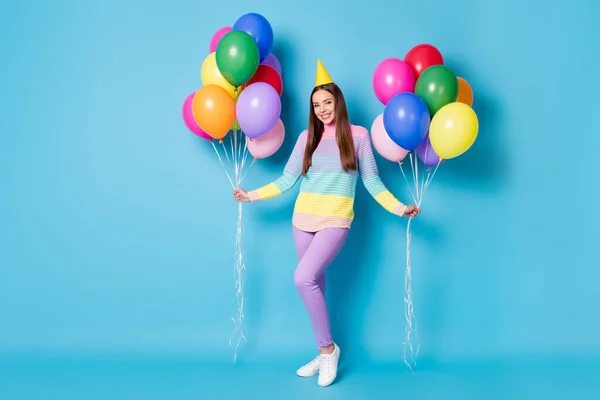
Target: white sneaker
[(329, 364), (310, 369)]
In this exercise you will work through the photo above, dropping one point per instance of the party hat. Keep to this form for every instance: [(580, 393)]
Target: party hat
[(322, 75)]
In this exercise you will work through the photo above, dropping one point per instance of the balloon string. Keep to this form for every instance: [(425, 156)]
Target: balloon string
[(240, 151), (412, 169), (235, 153), (236, 137), (429, 179), (245, 150), (426, 178), (409, 352), (244, 158), (406, 180), (416, 173), (240, 157), (243, 163), (226, 154), (222, 164), (411, 322), (428, 169), (249, 168), (231, 145), (239, 268)]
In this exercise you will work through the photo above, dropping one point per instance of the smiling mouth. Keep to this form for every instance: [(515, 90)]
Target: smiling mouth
[(325, 116)]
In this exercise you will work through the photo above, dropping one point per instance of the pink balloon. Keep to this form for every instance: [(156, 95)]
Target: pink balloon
[(188, 118), (392, 76), (217, 37), (384, 144), (267, 144)]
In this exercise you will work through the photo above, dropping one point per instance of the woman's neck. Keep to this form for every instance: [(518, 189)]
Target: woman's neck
[(329, 130)]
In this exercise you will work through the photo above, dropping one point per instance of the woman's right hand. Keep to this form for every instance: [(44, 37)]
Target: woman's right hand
[(241, 195)]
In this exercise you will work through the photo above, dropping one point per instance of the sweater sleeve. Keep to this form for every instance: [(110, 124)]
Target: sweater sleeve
[(291, 173), (369, 173)]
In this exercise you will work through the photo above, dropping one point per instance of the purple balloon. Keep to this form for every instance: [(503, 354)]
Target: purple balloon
[(427, 154), (258, 109), (272, 61)]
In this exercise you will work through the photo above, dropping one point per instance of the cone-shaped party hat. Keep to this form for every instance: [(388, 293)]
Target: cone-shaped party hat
[(322, 77)]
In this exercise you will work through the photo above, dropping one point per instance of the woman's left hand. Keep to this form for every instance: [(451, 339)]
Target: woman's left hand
[(411, 211)]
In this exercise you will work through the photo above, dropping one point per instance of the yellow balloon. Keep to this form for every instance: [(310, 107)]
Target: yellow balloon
[(211, 75), (453, 130)]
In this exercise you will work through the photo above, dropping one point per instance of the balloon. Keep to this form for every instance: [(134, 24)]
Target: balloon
[(427, 154), (465, 93), (188, 118), (384, 144), (237, 57), (214, 110), (423, 56), (218, 35), (260, 29), (406, 120), (210, 74), (258, 108), (453, 130), (392, 76), (437, 86), (267, 144), (272, 61), (269, 75)]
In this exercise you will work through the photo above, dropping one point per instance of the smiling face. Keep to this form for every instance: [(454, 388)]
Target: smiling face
[(324, 106)]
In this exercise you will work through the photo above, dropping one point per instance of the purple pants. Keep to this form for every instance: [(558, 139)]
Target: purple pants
[(316, 251)]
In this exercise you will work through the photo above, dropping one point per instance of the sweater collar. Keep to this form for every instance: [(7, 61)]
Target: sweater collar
[(329, 130)]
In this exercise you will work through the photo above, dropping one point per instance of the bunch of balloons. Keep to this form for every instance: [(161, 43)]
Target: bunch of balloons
[(427, 112), (241, 88), (239, 99), (427, 108)]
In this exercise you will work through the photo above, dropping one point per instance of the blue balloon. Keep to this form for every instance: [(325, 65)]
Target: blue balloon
[(406, 120), (260, 29)]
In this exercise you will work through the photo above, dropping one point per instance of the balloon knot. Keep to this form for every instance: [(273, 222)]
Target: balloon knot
[(220, 141)]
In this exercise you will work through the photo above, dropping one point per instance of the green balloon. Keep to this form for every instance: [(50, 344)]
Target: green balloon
[(237, 57), (437, 86)]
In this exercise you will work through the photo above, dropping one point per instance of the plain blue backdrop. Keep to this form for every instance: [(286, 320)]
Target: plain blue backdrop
[(118, 225)]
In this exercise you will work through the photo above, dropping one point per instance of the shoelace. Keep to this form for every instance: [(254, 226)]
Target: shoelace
[(326, 364), (314, 361)]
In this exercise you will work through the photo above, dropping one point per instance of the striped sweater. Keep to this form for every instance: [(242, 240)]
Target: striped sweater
[(327, 192)]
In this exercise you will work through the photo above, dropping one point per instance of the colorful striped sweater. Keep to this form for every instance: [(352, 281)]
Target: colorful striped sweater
[(327, 192)]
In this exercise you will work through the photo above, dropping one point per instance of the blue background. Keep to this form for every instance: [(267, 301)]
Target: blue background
[(118, 224)]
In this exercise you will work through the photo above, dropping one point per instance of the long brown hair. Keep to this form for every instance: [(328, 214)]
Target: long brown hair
[(343, 134)]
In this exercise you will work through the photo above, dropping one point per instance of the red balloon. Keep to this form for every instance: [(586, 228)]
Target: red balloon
[(423, 56), (269, 75)]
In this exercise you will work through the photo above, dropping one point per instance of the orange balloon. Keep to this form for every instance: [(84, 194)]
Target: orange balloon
[(214, 110), (465, 93)]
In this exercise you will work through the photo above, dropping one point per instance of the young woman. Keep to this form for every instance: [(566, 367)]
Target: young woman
[(329, 155)]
